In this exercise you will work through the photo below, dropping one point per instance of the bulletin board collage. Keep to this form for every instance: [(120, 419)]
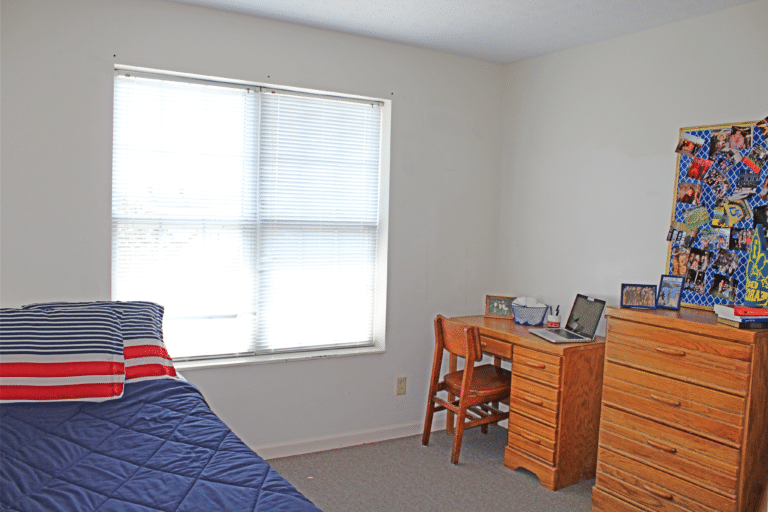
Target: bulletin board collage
[(721, 196)]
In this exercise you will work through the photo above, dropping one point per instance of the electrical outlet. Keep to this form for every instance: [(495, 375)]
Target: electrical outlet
[(400, 385)]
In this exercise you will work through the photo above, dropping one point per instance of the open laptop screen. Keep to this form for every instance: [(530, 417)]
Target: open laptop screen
[(585, 315)]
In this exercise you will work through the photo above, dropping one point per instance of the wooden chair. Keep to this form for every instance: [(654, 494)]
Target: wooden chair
[(479, 388)]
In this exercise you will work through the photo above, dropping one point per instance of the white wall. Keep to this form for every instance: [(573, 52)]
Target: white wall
[(57, 61), (590, 130), (588, 162)]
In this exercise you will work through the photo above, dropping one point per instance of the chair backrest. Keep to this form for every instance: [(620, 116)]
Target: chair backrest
[(459, 339)]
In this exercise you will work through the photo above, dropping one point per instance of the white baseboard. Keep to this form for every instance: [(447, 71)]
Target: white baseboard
[(319, 444)]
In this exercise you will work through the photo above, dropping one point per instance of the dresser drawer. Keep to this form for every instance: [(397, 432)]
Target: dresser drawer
[(654, 489), (531, 400), (705, 344), (670, 411), (686, 406), (709, 402), (707, 361), (707, 463), (537, 366), (604, 502), (496, 347)]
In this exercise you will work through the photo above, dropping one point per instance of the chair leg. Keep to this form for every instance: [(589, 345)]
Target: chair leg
[(458, 436), (484, 428), (453, 362), (428, 422)]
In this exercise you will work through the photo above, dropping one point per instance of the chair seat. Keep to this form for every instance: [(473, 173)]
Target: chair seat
[(487, 380)]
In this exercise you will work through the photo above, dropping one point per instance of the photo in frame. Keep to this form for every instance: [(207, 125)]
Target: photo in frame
[(497, 306), (670, 292), (638, 295)]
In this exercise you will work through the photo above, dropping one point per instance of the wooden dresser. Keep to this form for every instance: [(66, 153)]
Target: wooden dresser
[(684, 421)]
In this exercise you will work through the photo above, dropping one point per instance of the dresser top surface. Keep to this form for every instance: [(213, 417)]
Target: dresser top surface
[(696, 320)]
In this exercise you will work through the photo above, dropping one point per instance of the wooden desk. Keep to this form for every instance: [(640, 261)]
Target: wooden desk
[(554, 402)]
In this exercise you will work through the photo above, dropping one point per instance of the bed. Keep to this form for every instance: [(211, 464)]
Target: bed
[(157, 446)]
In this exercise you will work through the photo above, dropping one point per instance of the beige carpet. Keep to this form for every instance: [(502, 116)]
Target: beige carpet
[(401, 475)]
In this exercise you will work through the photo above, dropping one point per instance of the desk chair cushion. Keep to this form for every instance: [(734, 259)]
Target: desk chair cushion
[(487, 381)]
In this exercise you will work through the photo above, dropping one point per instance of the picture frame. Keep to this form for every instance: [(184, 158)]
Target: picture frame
[(497, 306), (638, 295), (670, 291)]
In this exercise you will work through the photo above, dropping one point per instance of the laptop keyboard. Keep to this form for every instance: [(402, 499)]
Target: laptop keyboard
[(567, 334)]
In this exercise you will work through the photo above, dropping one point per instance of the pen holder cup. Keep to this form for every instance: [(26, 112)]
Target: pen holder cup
[(533, 316)]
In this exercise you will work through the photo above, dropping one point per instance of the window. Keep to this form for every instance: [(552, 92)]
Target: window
[(256, 216)]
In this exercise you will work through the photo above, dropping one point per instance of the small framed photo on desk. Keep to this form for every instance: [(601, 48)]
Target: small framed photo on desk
[(499, 307)]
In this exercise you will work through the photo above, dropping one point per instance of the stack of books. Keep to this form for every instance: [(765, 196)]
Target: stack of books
[(742, 317)]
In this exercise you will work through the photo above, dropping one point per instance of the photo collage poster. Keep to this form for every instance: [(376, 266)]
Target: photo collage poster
[(721, 194)]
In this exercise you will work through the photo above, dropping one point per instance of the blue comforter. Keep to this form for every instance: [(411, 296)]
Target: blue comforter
[(158, 448)]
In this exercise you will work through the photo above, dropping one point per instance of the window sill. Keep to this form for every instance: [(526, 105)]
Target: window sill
[(277, 358)]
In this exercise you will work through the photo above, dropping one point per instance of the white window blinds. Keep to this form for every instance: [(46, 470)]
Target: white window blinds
[(253, 216)]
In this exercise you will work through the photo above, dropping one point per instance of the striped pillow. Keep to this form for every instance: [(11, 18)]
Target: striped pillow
[(60, 355), (146, 357)]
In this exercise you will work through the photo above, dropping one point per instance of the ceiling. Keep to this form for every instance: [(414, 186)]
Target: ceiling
[(494, 30)]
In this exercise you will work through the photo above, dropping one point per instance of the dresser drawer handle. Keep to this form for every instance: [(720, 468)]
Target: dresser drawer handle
[(531, 438), (667, 401), (661, 494), (534, 401), (670, 351), (661, 447), (533, 364)]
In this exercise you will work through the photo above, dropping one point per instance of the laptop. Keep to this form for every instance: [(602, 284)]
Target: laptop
[(581, 324)]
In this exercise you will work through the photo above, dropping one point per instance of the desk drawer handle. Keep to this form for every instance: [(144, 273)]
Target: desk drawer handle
[(534, 401), (670, 351), (661, 494), (673, 403), (531, 438), (661, 447), (533, 364)]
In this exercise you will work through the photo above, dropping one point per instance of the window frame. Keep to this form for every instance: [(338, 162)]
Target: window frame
[(378, 344)]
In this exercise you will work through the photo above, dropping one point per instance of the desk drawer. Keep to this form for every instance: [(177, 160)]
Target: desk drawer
[(533, 400), (537, 366), (531, 444), (655, 489), (541, 433), (529, 436), (534, 388), (496, 347)]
